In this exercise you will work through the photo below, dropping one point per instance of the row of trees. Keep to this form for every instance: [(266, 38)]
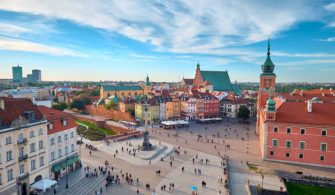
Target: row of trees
[(78, 104)]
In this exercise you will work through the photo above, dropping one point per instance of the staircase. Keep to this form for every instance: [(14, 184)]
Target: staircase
[(86, 185)]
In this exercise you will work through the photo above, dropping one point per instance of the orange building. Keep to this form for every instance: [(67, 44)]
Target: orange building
[(173, 108), (300, 130)]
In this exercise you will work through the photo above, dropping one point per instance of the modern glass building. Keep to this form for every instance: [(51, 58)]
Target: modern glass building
[(17, 74)]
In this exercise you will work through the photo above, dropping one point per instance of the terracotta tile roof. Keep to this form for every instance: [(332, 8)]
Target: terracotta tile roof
[(316, 91), (297, 97), (15, 107), (56, 117), (296, 112)]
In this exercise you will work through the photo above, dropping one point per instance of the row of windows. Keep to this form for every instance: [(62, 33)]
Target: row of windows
[(53, 155), (51, 125), (302, 131), (10, 172), (288, 155), (302, 144), (9, 154), (59, 138), (9, 140)]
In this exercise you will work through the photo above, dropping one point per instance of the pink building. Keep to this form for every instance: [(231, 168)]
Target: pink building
[(294, 130)]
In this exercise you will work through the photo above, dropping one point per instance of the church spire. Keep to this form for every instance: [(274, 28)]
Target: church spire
[(268, 46)]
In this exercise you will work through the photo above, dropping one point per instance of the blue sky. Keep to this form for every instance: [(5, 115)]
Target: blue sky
[(125, 40)]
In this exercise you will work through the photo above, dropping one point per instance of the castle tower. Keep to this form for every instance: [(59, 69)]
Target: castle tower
[(266, 85)]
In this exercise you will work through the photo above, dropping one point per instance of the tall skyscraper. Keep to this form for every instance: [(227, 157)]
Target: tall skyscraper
[(36, 74), (17, 74)]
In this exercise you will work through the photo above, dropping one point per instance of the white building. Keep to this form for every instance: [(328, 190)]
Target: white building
[(229, 108), (188, 108), (62, 146), (23, 152)]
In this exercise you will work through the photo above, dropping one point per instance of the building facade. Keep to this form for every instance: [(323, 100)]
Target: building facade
[(17, 74), (23, 132), (296, 131), (61, 142)]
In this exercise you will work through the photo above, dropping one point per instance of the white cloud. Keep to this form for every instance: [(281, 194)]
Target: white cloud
[(330, 7), (308, 62), (187, 26), (21, 45)]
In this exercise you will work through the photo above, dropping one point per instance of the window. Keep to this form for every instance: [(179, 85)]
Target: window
[(52, 141), (40, 145), (59, 153), (302, 145), (287, 154), (64, 122), (32, 134), (59, 139), (275, 129), (40, 131), (33, 165), (302, 131), (41, 161), (52, 156), (66, 150), (288, 130), (301, 155), (324, 132), (288, 144), (72, 147), (322, 158), (323, 146), (10, 175), (72, 135), (8, 140), (274, 142), (65, 137), (271, 153), (21, 169), (50, 126), (9, 155), (32, 147)]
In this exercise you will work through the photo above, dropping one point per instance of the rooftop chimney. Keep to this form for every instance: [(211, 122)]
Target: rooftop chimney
[(309, 106), (2, 104)]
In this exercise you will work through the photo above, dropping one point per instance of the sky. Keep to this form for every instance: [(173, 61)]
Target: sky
[(90, 40)]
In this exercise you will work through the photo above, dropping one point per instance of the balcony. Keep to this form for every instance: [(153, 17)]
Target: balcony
[(23, 157), (23, 176), (22, 141)]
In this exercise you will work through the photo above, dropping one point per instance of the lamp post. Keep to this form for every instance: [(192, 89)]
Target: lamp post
[(262, 183), (67, 184)]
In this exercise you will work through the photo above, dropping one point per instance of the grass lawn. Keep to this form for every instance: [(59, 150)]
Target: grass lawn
[(93, 126), (297, 189)]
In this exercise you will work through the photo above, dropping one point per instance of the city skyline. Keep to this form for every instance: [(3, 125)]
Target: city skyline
[(105, 41)]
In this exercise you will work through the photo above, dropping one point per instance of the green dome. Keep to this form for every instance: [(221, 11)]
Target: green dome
[(270, 102)]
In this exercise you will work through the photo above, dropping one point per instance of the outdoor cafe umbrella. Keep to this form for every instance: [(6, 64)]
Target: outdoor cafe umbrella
[(43, 184)]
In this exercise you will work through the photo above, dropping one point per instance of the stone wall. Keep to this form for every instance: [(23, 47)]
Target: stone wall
[(115, 115)]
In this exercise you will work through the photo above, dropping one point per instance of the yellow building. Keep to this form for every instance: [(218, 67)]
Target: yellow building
[(153, 111), (24, 155), (125, 90), (173, 108), (127, 104)]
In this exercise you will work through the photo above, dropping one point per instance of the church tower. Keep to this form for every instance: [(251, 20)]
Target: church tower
[(266, 85), (147, 86)]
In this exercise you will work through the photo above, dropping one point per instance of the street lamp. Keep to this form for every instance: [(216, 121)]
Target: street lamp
[(67, 184), (262, 182)]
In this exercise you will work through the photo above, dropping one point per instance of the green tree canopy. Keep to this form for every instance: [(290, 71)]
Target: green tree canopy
[(61, 106), (243, 112), (78, 104)]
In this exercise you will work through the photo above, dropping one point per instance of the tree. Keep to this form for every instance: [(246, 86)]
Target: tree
[(78, 104), (86, 100), (243, 112), (61, 106), (131, 111), (95, 93)]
